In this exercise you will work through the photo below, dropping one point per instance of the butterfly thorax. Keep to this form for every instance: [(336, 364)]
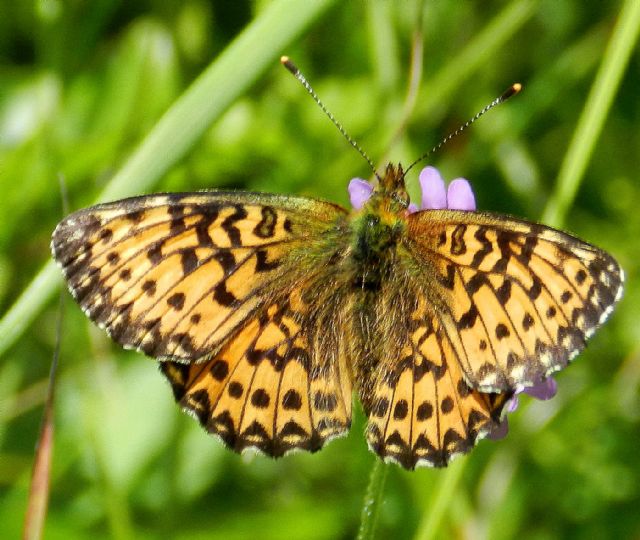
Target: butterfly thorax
[(377, 228)]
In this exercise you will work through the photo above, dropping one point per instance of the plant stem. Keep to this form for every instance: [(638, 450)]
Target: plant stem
[(372, 500)]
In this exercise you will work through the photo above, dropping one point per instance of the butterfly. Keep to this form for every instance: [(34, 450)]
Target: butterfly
[(267, 312)]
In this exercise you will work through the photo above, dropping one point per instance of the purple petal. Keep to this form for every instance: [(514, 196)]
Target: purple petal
[(434, 196), (359, 192), (412, 208), (513, 403), (545, 389), (500, 431), (460, 195)]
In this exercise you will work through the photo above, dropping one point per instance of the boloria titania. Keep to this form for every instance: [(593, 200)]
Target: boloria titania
[(267, 311)]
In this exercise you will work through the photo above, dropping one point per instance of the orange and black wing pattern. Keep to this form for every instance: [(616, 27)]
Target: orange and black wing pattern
[(518, 299), (479, 306), (218, 285), (421, 408)]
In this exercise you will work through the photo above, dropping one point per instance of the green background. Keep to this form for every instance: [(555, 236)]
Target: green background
[(84, 86)]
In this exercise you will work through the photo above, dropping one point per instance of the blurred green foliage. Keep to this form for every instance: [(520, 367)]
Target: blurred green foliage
[(82, 84)]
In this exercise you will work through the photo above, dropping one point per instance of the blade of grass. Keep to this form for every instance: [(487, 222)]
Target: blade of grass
[(41, 474), (594, 114), (383, 44), (476, 53), (231, 73), (38, 501)]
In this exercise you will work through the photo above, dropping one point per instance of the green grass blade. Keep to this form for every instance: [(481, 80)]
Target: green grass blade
[(254, 51), (28, 305), (596, 109), (477, 52)]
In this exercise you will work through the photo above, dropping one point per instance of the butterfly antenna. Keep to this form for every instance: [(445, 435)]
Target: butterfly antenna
[(509, 92), (287, 63)]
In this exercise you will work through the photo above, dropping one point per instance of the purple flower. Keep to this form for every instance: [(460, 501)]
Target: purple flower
[(543, 390), (459, 196), (434, 194), (359, 192)]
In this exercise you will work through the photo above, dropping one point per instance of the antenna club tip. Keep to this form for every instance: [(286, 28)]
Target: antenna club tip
[(286, 62), (511, 91)]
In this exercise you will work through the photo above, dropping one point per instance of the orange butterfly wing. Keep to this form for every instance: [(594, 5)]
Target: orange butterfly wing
[(281, 383), (518, 299), (478, 306), (421, 409), (216, 285)]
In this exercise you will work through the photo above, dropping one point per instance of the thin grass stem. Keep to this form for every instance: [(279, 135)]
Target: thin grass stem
[(373, 501), (596, 109)]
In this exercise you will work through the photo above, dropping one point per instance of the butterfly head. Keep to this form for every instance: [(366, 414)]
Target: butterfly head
[(391, 194)]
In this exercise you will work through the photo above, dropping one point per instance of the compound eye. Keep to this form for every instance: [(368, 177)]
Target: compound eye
[(402, 198)]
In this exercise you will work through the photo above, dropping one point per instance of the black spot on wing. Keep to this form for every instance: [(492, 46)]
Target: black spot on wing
[(481, 236), (468, 319), (266, 227), (458, 246), (223, 296), (189, 260)]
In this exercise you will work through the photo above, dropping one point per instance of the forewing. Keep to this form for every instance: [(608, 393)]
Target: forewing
[(517, 300), (421, 410), (177, 275)]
